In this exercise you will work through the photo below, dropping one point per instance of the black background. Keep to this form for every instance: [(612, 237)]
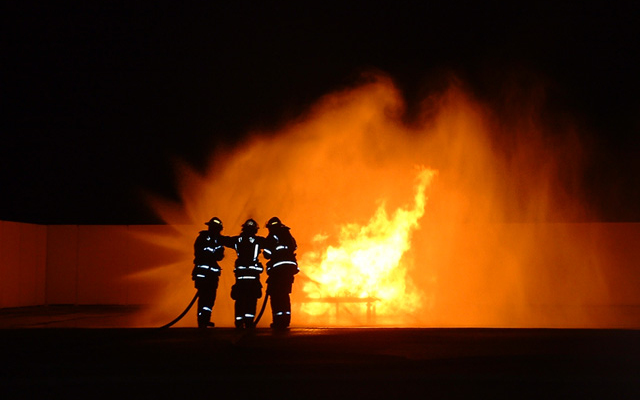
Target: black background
[(99, 98)]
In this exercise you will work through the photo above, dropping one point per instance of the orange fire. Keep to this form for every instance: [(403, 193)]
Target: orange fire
[(366, 265), (481, 252)]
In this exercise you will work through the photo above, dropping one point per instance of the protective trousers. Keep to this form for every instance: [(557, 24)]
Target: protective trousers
[(207, 289), (246, 294), (279, 289)]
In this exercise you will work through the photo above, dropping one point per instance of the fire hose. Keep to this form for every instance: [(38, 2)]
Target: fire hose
[(264, 305), (195, 297), (186, 310)]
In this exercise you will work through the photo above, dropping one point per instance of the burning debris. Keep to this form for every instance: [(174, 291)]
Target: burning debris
[(366, 265)]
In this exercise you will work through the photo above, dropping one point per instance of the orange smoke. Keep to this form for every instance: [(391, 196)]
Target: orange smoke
[(372, 249)]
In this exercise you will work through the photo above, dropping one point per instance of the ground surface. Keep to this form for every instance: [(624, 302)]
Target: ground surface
[(88, 360)]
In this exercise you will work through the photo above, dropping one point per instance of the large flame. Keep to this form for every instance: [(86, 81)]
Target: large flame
[(366, 265), (481, 252)]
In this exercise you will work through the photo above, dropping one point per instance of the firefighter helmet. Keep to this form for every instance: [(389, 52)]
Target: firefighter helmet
[(214, 222), (275, 221), (250, 223)]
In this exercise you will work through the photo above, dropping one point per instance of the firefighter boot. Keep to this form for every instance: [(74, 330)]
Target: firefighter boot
[(204, 317), (280, 320), (287, 319)]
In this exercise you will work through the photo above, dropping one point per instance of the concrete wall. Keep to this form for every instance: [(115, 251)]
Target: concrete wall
[(62, 264), (621, 260), (70, 264), (93, 264), (99, 264), (22, 264)]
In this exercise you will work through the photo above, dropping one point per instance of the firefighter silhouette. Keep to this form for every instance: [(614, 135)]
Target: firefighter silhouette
[(247, 289), (208, 250), (280, 248)]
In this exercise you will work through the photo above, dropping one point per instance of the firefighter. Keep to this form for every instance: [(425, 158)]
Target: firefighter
[(247, 289), (208, 250), (280, 248)]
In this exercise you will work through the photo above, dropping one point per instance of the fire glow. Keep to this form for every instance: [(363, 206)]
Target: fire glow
[(372, 249), (366, 263)]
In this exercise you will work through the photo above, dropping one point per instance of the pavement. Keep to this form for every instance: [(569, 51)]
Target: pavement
[(84, 352)]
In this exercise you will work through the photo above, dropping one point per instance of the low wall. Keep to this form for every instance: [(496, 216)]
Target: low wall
[(23, 255), (93, 264), (71, 264)]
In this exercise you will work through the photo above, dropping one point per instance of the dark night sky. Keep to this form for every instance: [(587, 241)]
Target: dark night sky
[(99, 98)]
